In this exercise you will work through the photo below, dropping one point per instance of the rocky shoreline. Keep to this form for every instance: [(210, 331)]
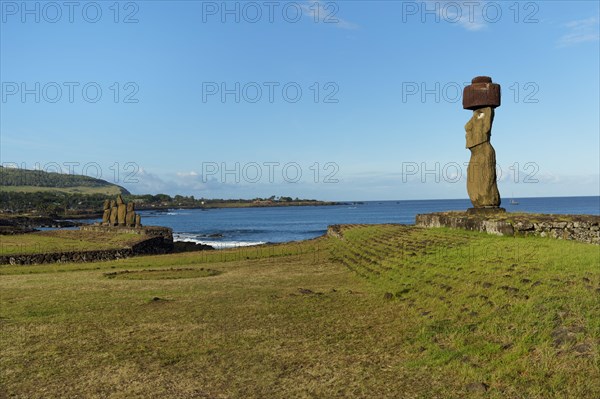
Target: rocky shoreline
[(29, 224)]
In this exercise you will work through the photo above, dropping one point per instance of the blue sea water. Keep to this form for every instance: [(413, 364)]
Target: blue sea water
[(225, 228)]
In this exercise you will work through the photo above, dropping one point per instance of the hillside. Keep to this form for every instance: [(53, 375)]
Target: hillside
[(32, 181)]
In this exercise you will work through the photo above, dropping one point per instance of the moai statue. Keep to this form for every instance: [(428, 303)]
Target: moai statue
[(130, 216), (113, 213), (122, 210), (482, 97), (138, 220), (106, 214)]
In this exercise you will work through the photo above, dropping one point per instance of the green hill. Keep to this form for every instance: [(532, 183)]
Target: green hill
[(32, 181)]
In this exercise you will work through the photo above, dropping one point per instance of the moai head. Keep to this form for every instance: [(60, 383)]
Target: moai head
[(481, 93), (120, 200), (130, 207), (113, 203), (106, 204)]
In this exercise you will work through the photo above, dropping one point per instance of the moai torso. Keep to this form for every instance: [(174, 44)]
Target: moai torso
[(106, 213), (121, 211), (130, 216), (113, 213), (479, 127)]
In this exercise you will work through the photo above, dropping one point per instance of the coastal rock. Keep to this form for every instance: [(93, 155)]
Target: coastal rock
[(180, 246)]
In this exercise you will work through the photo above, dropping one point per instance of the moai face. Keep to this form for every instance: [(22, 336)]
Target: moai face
[(106, 204)]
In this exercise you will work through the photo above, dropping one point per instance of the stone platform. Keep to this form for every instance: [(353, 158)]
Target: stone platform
[(154, 240), (584, 228), (151, 231)]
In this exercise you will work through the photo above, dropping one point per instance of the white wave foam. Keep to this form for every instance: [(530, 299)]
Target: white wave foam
[(182, 237)]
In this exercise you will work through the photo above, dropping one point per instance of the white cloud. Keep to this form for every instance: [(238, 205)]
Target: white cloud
[(145, 182), (469, 16), (472, 22), (582, 23), (580, 31), (188, 174), (326, 13)]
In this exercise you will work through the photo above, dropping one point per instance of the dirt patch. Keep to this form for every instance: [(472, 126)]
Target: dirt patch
[(162, 274), (306, 291)]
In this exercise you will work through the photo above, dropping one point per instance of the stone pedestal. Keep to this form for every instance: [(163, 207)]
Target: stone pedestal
[(490, 210)]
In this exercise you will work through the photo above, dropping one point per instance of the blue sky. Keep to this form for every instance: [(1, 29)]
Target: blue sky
[(379, 116)]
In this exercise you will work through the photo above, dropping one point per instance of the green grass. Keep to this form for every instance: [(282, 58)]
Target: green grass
[(386, 312), (64, 241), (108, 190)]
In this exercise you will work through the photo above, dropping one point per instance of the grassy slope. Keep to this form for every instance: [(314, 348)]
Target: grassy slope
[(64, 241), (108, 190), (310, 320), (30, 181)]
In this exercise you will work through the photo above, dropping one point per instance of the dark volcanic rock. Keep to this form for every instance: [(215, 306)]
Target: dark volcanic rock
[(27, 224), (180, 246), (478, 387)]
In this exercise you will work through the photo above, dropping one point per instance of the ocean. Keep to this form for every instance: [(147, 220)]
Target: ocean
[(235, 227)]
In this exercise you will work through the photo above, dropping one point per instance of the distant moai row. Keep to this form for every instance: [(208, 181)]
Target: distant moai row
[(117, 213)]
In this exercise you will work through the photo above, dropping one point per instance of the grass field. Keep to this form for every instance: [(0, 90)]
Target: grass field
[(64, 241), (108, 190), (385, 312)]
